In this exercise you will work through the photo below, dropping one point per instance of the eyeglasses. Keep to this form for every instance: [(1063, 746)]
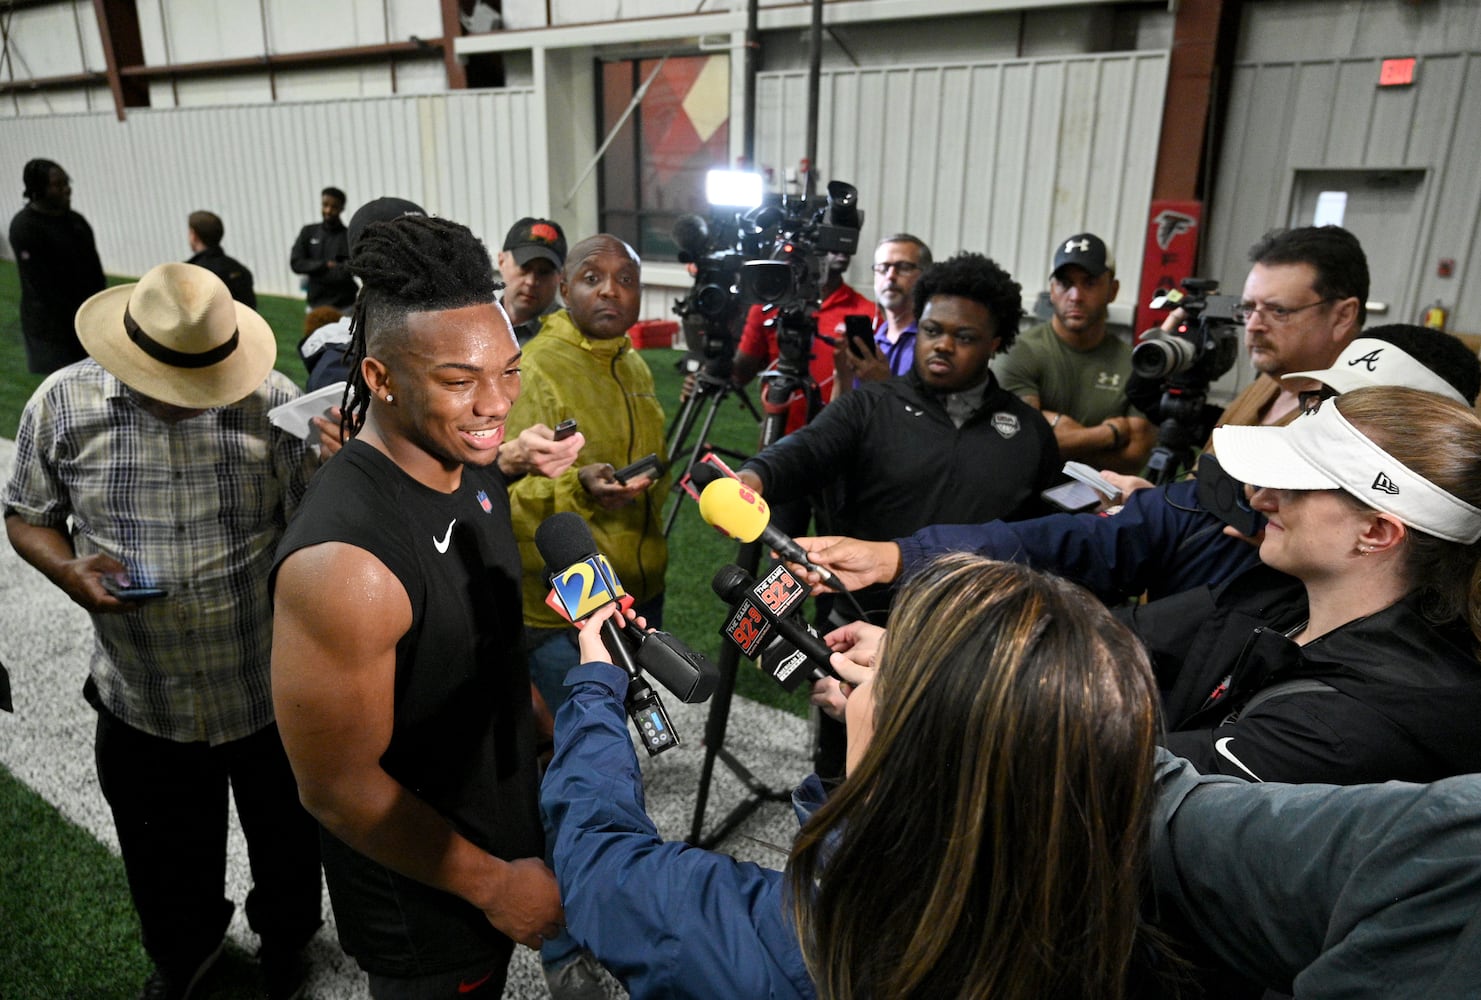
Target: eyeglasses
[(1311, 400), (901, 267), (1274, 315)]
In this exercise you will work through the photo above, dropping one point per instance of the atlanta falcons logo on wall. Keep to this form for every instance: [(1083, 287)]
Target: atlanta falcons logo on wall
[(1170, 224)]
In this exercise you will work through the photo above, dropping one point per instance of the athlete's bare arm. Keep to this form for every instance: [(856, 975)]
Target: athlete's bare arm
[(339, 614)]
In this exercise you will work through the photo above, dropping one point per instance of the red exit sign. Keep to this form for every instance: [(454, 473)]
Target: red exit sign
[(1396, 73)]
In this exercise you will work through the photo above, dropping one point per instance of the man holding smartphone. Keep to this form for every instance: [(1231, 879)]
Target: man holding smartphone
[(583, 366), (150, 486), (898, 262)]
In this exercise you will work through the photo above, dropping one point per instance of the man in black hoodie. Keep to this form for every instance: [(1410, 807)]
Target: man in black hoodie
[(58, 264), (322, 251)]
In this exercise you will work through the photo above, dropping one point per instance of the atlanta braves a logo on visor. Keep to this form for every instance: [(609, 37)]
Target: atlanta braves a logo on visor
[(1368, 361), (1005, 424), (1383, 484), (543, 232)]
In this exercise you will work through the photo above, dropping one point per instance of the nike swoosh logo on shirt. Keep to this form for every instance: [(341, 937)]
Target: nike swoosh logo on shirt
[(447, 537), (1221, 747), (466, 987)]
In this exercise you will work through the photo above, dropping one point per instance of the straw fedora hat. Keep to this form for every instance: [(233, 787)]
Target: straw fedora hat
[(178, 336)]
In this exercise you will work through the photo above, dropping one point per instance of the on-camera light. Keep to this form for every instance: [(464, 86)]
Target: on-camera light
[(733, 188)]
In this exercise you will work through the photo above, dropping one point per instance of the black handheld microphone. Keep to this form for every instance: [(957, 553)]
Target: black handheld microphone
[(752, 633), (702, 473), (692, 233), (734, 508), (585, 585), (770, 603), (587, 582)]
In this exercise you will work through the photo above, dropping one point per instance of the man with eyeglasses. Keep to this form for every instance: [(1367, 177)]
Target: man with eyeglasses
[(898, 263), (1074, 370), (1303, 302)]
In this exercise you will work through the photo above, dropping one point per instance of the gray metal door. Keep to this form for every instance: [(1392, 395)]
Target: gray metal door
[(1383, 209)]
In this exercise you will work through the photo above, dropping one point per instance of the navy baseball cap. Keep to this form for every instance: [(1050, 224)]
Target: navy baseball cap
[(1085, 250)]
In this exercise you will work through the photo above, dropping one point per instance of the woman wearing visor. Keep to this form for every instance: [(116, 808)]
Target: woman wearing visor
[(1350, 654)]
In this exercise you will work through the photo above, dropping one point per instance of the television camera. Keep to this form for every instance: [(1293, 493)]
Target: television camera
[(755, 249), (1171, 371)]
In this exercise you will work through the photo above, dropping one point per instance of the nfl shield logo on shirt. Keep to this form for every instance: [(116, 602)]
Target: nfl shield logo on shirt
[(483, 501), (1006, 424)]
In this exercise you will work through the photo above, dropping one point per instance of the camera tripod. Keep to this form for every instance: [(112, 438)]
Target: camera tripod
[(779, 384), (709, 392), (1183, 426)]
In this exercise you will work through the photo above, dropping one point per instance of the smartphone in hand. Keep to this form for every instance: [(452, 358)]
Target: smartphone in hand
[(859, 330), (647, 465), (131, 593), (565, 429), (1222, 495)]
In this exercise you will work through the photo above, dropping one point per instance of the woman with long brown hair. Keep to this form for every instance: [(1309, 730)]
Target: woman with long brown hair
[(991, 839)]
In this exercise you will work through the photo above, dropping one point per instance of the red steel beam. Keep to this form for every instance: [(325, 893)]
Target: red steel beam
[(123, 48), (452, 27), (421, 48), (1203, 36)]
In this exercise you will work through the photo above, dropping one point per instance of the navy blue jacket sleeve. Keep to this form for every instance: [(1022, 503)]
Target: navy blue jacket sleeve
[(1159, 542), (669, 919)]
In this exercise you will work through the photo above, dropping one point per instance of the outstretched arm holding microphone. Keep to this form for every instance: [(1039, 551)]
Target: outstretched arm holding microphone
[(667, 918)]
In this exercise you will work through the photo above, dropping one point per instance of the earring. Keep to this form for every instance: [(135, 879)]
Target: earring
[(389, 397)]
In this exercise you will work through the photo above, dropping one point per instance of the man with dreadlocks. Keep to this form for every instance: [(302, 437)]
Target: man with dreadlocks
[(403, 700), (58, 264)]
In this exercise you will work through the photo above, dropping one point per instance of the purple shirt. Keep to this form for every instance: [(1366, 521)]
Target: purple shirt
[(900, 354)]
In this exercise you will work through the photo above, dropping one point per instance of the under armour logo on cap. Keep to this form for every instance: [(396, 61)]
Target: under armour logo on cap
[(1385, 485), (1084, 250)]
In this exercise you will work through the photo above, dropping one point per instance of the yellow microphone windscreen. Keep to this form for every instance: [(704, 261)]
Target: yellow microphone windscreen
[(734, 508)]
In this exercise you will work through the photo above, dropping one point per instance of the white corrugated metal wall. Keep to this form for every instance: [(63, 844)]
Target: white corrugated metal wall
[(260, 167), (1003, 157)]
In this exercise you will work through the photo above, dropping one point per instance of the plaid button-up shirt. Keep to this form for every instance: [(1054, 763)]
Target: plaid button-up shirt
[(196, 507)]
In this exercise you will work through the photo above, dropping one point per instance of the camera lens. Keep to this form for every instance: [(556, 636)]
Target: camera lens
[(712, 300), (766, 280), (1164, 356)]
